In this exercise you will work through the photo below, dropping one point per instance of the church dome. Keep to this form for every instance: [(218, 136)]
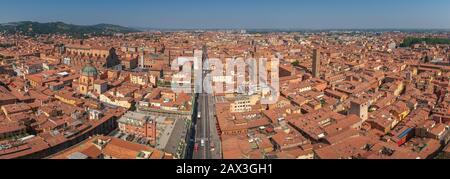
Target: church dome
[(89, 70)]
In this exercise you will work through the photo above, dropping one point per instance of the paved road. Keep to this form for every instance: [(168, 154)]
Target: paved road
[(203, 130), (206, 127), (206, 130)]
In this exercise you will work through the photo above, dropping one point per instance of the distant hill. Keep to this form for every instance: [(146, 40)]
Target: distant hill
[(35, 28)]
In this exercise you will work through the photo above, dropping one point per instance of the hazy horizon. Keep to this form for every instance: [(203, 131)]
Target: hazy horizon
[(233, 14)]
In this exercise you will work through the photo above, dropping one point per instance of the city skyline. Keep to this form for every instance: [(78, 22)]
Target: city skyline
[(249, 14), (225, 80)]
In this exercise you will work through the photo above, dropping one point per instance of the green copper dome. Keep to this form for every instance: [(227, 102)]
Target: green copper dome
[(89, 70)]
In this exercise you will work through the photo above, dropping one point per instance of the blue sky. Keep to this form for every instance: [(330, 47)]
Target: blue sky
[(309, 14)]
